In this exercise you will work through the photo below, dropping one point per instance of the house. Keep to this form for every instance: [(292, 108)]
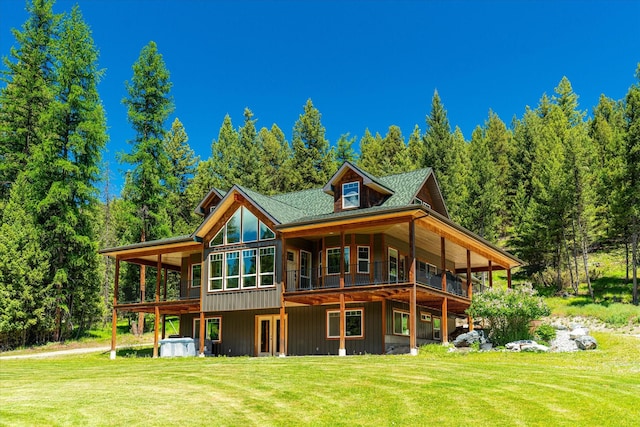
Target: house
[(362, 265)]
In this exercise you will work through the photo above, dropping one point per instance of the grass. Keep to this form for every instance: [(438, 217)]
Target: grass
[(588, 388)]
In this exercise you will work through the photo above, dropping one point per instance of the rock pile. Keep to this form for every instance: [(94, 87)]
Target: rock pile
[(575, 337)]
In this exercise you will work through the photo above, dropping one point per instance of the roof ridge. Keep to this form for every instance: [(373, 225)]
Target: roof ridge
[(248, 191)]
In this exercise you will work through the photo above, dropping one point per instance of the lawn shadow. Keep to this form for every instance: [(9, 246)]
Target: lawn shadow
[(135, 352)]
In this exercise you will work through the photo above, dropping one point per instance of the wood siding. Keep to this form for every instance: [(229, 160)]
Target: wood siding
[(250, 299)]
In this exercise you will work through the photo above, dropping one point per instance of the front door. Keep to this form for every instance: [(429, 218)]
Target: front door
[(292, 270), (268, 335)]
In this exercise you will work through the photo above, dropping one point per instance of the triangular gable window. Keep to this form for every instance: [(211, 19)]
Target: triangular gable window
[(242, 227)]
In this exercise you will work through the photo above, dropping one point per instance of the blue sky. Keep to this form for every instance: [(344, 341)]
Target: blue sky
[(364, 64)]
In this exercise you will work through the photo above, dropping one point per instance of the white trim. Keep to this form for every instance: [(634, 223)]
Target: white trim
[(219, 255), (403, 313), (439, 330), (191, 285), (368, 259), (346, 311), (357, 195)]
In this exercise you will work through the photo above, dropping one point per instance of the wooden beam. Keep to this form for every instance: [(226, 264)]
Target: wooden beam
[(342, 269), (346, 225), (469, 288), (480, 269), (342, 351), (150, 263), (509, 278), (384, 325), (126, 255)]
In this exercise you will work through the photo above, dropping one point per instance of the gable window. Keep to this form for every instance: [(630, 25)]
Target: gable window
[(363, 259), (350, 195), (353, 323), (242, 227), (196, 275), (400, 322), (212, 329), (333, 260)]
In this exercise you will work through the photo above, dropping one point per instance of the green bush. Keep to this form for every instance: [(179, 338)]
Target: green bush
[(509, 312), (545, 333)]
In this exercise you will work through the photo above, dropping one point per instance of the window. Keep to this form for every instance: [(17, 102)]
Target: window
[(350, 195), (400, 322), (212, 331), (215, 272), (266, 233), (249, 268), (242, 227), (393, 265), (233, 227), (267, 266), (232, 272), (246, 269), (436, 328), (305, 269), (196, 275), (249, 226), (218, 240), (333, 260), (353, 325), (363, 259), (425, 317)]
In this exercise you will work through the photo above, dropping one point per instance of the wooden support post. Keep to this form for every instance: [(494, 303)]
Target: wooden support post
[(283, 330), (444, 324), (156, 327), (372, 264), (158, 277), (202, 332), (165, 283), (413, 308), (443, 264), (469, 287), (342, 350), (384, 326), (491, 274), (508, 278), (143, 290), (114, 312), (164, 326)]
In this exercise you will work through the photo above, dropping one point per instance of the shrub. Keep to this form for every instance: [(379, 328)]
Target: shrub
[(509, 312), (545, 333)]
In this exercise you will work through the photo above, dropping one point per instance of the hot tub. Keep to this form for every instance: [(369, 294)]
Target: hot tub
[(177, 347)]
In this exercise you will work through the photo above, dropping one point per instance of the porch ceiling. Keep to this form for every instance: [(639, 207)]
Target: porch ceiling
[(165, 307), (171, 254)]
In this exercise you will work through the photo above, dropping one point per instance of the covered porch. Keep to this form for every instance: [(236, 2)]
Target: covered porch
[(165, 257)]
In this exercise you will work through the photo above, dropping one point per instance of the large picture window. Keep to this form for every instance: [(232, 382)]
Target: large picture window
[(353, 323), (333, 260), (246, 269), (350, 195), (400, 322), (242, 227), (212, 329)]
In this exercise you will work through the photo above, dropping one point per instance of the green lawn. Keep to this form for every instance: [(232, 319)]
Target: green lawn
[(435, 388)]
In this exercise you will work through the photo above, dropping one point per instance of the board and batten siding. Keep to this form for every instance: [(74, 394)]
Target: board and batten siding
[(308, 330), (250, 299)]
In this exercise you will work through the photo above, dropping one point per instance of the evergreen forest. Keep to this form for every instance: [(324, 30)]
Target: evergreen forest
[(550, 186)]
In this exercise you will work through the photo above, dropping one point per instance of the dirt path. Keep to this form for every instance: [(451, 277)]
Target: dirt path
[(82, 350)]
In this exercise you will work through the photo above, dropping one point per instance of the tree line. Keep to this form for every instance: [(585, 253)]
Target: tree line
[(549, 187)]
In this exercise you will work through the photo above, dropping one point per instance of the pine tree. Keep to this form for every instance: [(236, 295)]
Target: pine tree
[(485, 195), (182, 166), (28, 94), (249, 153), (149, 106), (275, 161), (344, 150), (416, 148), (313, 160), (499, 141), (370, 153), (225, 155)]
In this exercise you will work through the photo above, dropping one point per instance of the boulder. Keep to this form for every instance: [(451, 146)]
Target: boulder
[(578, 332), (466, 340), (535, 348), (586, 342), (517, 345), (487, 346)]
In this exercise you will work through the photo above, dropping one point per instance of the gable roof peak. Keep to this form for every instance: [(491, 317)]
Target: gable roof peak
[(367, 179)]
